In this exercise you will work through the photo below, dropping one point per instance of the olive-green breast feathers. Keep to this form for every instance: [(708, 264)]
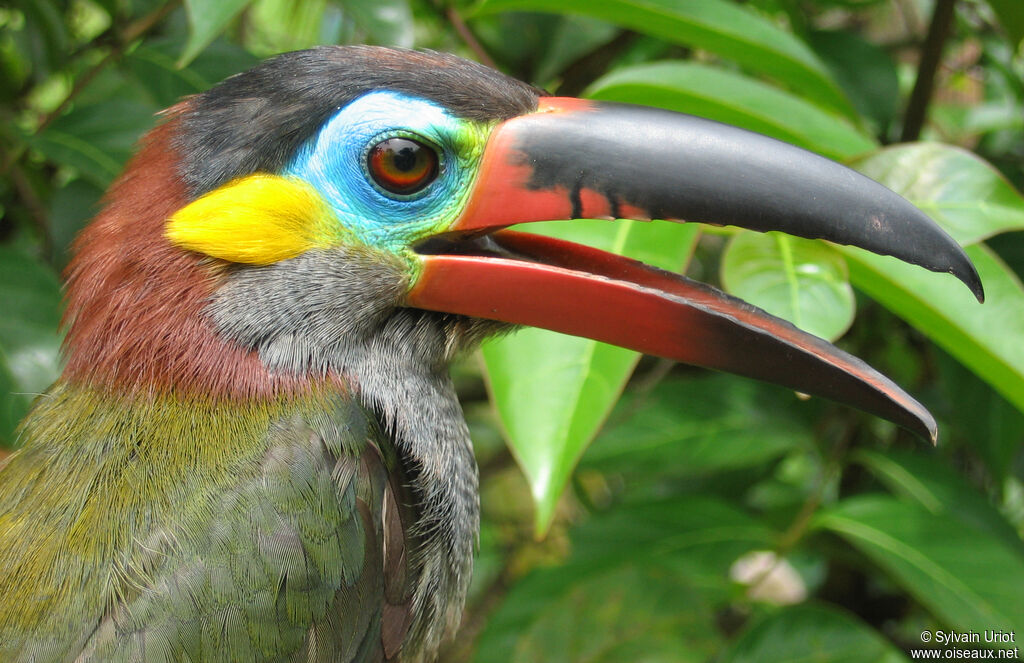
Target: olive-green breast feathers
[(196, 531)]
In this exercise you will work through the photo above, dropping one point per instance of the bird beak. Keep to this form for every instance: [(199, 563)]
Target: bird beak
[(579, 159)]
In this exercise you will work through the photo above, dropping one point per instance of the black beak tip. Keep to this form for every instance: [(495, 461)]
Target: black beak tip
[(950, 257), (969, 275)]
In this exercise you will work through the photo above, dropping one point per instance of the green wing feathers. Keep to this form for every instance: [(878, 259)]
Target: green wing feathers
[(198, 531)]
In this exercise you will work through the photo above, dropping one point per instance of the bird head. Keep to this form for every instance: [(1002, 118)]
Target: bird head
[(275, 228)]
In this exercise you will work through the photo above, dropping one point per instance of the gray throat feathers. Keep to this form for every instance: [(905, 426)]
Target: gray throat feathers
[(337, 311)]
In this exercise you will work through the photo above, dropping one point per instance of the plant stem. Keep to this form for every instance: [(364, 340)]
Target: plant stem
[(36, 209), (931, 57), (451, 14), (589, 67)]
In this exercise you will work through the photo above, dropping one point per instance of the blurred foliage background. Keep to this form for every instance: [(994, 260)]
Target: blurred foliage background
[(636, 510)]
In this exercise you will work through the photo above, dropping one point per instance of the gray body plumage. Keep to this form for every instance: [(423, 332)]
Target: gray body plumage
[(345, 530), (397, 359)]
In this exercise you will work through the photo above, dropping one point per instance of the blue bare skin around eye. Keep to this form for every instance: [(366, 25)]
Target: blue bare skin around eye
[(333, 162)]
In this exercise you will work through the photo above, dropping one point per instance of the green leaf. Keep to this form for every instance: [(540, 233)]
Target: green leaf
[(12, 405), (971, 201), (96, 139), (162, 77), (697, 426), (969, 198), (285, 25), (71, 207), (385, 21), (811, 632), (553, 391), (799, 280), (574, 37), (966, 577), (935, 486), (984, 337), (643, 583), (29, 342), (975, 415), (206, 20), (723, 28), (706, 533), (865, 71), (221, 59), (155, 69), (1011, 17), (44, 39), (722, 95), (634, 613)]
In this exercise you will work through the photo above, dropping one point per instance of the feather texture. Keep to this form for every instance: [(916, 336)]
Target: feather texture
[(171, 530), (256, 220), (255, 452)]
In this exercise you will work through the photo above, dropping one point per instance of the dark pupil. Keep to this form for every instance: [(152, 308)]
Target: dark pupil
[(402, 165), (405, 157)]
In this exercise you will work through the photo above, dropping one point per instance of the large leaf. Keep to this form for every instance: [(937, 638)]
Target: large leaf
[(925, 479), (966, 577), (158, 73), (723, 28), (554, 391), (207, 19), (719, 94), (29, 342), (812, 632), (866, 72), (973, 413), (1011, 17), (12, 405), (969, 198), (971, 201), (642, 584), (984, 337), (284, 25), (796, 279), (90, 141), (697, 426), (44, 40), (385, 21), (71, 207), (154, 67), (640, 612)]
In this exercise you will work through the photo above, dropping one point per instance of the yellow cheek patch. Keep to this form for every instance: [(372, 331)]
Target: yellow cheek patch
[(258, 220)]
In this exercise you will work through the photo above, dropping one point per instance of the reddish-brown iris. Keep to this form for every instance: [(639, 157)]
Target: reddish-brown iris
[(402, 165)]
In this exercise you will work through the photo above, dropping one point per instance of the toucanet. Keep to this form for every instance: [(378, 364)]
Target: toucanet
[(255, 452)]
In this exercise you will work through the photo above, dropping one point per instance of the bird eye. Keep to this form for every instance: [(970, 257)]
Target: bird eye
[(402, 165)]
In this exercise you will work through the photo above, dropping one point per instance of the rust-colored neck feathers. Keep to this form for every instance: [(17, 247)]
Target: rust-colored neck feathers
[(135, 302)]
